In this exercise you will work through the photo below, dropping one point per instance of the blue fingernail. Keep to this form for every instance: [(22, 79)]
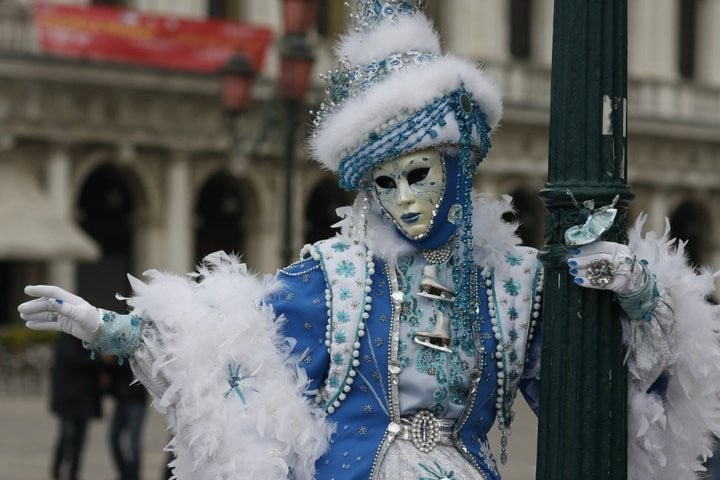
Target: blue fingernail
[(573, 271), (572, 263), (58, 301), (575, 251), (578, 280)]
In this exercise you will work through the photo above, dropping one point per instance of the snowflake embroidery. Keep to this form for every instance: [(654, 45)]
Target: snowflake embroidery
[(338, 359), (340, 337), (368, 408), (487, 456), (289, 296), (512, 287), (513, 313), (340, 246), (343, 316), (345, 269), (437, 473), (513, 335), (513, 260), (363, 431), (379, 341), (308, 326), (333, 381), (234, 379), (345, 293)]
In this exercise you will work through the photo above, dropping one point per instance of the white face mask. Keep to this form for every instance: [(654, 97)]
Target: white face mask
[(410, 188)]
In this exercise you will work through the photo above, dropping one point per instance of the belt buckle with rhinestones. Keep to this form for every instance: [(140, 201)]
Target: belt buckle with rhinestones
[(424, 431)]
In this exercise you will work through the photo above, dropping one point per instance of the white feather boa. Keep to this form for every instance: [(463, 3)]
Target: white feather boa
[(204, 330), (670, 437)]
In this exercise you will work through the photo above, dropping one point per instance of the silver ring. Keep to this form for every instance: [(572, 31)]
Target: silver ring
[(600, 273)]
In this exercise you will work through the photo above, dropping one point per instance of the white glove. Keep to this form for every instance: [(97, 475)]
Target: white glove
[(57, 309), (607, 266)]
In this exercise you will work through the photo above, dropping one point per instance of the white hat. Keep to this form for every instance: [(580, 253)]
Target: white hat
[(395, 92)]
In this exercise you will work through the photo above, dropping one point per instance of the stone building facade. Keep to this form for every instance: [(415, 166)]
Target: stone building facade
[(108, 168)]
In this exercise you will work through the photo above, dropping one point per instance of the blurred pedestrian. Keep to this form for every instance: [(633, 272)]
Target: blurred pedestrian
[(128, 418), (75, 399)]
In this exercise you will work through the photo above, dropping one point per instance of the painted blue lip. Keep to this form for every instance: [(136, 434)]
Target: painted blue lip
[(410, 217)]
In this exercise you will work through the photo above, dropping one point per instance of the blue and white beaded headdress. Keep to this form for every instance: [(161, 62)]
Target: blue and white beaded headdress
[(395, 92)]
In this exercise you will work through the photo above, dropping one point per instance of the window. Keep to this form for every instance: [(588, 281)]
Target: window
[(686, 36), (223, 9), (520, 28), (109, 3)]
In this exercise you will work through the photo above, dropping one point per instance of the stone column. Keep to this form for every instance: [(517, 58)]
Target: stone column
[(477, 29), (653, 42), (657, 212), (541, 31), (178, 227), (62, 271), (708, 41)]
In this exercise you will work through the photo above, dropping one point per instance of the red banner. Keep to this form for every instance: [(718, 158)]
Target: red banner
[(128, 36)]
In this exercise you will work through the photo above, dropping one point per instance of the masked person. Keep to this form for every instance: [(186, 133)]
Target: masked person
[(389, 351)]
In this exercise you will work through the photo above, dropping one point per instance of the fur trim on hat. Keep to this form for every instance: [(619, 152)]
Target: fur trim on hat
[(402, 94), (412, 32)]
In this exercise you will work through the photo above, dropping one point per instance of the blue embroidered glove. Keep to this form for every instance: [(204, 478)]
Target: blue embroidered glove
[(60, 310)]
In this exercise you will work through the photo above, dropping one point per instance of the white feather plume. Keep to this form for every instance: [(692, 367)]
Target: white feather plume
[(670, 436), (204, 331)]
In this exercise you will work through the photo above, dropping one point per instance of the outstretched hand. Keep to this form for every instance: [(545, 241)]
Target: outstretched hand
[(60, 310), (606, 266)]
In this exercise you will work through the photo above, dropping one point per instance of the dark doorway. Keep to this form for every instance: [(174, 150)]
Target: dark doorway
[(530, 214), (221, 213), (320, 213), (106, 209), (690, 222)]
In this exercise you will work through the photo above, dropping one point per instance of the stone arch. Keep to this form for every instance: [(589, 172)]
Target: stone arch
[(690, 222), (223, 214), (324, 199), (107, 203), (530, 214)]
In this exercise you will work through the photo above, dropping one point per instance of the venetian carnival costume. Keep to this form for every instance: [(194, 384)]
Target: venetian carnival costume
[(389, 351)]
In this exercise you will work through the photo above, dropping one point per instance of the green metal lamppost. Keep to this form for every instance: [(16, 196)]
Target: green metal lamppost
[(583, 408), (236, 81), (296, 60)]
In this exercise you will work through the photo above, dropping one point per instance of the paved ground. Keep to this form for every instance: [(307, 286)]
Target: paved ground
[(27, 432)]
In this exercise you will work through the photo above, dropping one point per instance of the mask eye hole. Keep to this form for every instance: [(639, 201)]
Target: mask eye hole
[(417, 175), (383, 181)]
